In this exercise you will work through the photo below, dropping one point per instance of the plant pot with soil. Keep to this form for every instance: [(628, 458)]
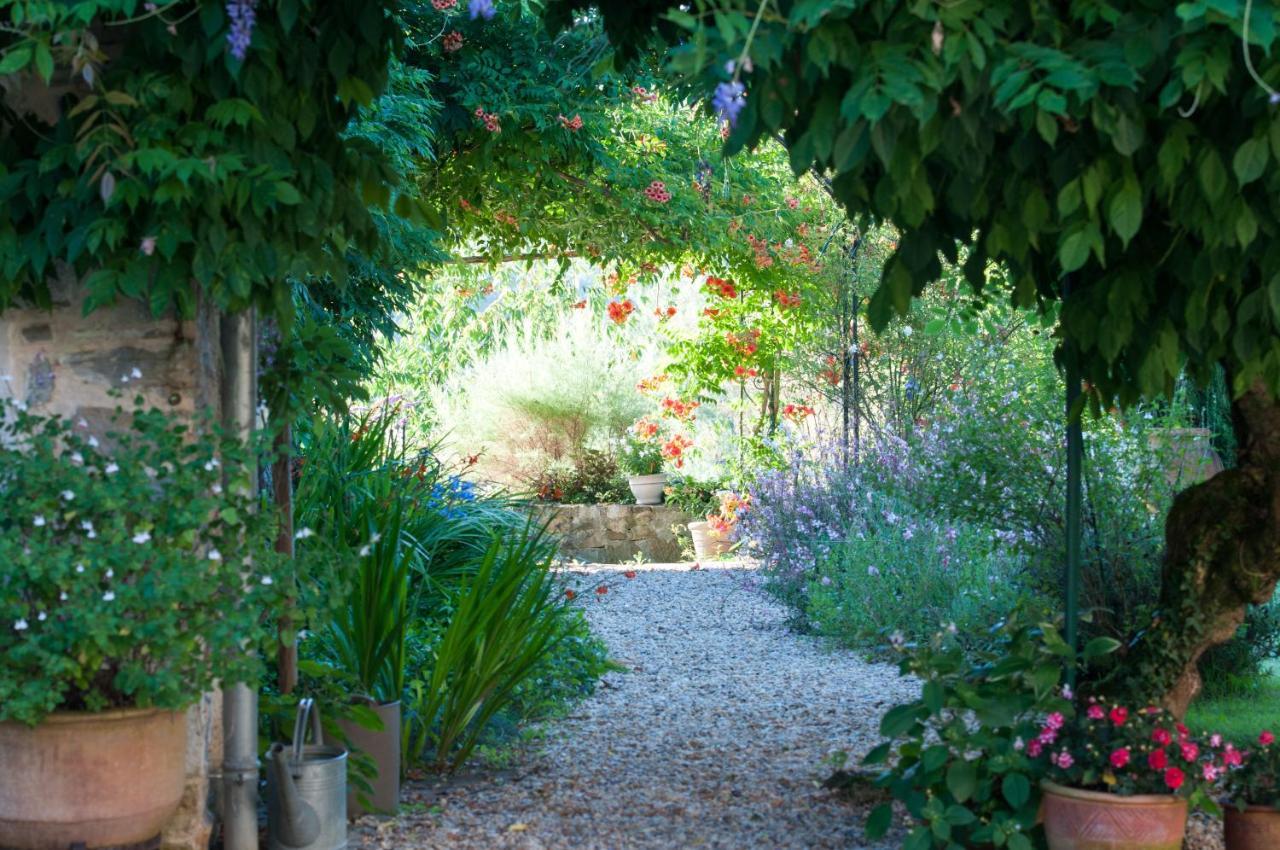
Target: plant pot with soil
[(1251, 819), (130, 581)]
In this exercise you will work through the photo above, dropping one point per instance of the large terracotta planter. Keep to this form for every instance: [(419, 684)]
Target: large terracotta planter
[(1256, 828), (706, 542), (93, 780), (648, 489), (1089, 820), (383, 749)]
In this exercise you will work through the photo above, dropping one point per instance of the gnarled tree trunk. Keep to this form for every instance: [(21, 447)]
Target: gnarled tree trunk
[(1223, 553)]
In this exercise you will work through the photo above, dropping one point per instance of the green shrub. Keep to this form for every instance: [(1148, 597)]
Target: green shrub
[(1239, 666), (123, 577), (591, 478), (506, 620)]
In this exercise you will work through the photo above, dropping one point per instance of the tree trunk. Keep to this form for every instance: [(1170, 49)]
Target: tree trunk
[(1222, 554)]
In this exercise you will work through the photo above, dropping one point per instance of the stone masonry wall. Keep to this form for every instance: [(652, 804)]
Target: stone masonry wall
[(611, 534), (61, 361)]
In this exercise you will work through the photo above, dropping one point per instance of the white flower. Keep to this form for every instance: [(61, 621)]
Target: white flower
[(42, 616), (873, 571), (86, 525), (63, 596), (82, 422), (80, 568), (124, 379), (268, 580), (67, 495), (20, 626), (135, 373), (151, 473), (1019, 744), (364, 551), (142, 537), (211, 465), (906, 330), (111, 468), (108, 596), (93, 442), (375, 538), (303, 534), (216, 489), (215, 555), (951, 628), (77, 458), (110, 573), (38, 521)]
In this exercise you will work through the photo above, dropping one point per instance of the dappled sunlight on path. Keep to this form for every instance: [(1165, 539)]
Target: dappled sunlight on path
[(713, 737)]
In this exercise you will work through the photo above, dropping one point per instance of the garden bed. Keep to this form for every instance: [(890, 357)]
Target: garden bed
[(614, 533)]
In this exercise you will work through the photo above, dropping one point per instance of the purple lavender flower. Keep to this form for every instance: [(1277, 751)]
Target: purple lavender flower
[(481, 9), (243, 14), (728, 100)]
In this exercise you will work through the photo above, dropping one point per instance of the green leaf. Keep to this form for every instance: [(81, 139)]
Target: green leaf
[(962, 780), (933, 692), (1213, 176), (1073, 250), (898, 719), (1125, 210), (286, 194), (1019, 841), (1100, 646), (1016, 789), (879, 755), (879, 821), (15, 59), (1250, 160), (44, 61)]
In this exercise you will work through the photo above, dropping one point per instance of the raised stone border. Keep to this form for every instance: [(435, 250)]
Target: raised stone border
[(612, 534)]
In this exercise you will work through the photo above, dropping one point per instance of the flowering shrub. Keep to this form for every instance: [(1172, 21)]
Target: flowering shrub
[(908, 573), (1105, 746), (642, 449), (1253, 778), (133, 569)]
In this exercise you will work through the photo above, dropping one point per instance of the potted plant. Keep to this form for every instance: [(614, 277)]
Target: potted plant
[(1119, 779), (642, 460), (715, 536), (1252, 818), (133, 576)]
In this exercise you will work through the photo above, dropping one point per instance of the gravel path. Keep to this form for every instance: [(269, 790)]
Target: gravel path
[(713, 738)]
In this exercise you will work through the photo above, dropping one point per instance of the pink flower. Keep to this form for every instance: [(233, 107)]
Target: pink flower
[(1119, 715), (1232, 757), (1210, 773), (1174, 777), (1162, 737), (1120, 757), (1063, 760), (1190, 752), (1034, 748), (1158, 760), (1266, 739), (1096, 713), (1047, 736), (1215, 741), (1055, 720), (148, 245)]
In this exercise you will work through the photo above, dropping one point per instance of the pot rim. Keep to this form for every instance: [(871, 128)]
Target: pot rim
[(64, 718), (1170, 800), (1232, 808), (647, 479)]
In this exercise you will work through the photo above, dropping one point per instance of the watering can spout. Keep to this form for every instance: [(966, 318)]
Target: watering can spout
[(297, 824)]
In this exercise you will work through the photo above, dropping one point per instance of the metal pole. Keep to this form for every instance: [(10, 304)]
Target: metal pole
[(239, 701), (1075, 456)]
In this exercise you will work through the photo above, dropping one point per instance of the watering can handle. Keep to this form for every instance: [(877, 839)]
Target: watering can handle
[(306, 710)]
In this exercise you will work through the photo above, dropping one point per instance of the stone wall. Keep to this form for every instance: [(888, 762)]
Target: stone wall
[(611, 534), (61, 361)]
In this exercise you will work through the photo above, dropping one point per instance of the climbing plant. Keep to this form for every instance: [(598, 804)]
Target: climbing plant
[(151, 144)]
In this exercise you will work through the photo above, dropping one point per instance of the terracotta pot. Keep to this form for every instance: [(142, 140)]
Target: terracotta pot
[(707, 543), (383, 748), (1256, 828), (648, 488), (1188, 452), (1090, 820), (90, 779)]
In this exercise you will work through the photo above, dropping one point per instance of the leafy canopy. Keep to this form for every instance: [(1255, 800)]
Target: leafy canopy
[(1123, 146)]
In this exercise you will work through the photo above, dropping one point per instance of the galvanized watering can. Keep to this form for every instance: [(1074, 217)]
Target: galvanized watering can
[(307, 789)]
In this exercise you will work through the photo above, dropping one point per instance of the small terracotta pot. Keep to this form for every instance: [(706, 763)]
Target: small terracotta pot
[(706, 543), (1256, 828), (1090, 820), (101, 779)]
